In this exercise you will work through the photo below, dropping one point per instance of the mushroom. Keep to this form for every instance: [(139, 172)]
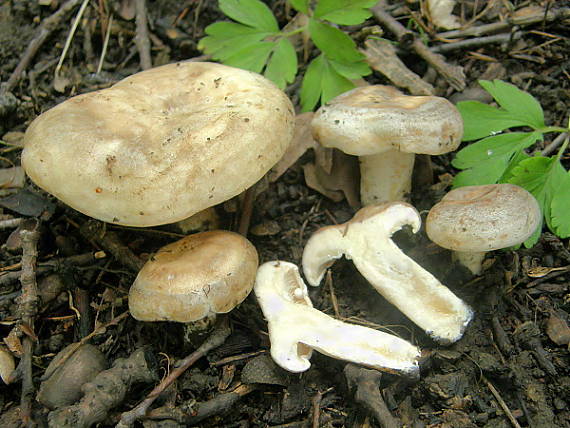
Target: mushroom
[(384, 128), (365, 239), (296, 328), (195, 278), (7, 365), (472, 220), (160, 145)]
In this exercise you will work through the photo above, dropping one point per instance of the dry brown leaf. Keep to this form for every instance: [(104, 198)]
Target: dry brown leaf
[(344, 178), (440, 12), (558, 330)]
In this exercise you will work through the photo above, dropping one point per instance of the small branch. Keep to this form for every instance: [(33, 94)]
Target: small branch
[(44, 31), (141, 39), (217, 338), (501, 403), (246, 210), (453, 74), (29, 235), (476, 42)]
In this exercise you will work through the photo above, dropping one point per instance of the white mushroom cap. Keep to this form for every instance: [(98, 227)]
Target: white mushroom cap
[(194, 278), (366, 240), (483, 218), (160, 145), (295, 328), (373, 119)]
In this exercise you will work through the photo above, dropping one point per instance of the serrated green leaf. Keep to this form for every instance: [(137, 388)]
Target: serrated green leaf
[(301, 5), (544, 178), (515, 160), (223, 38), (322, 81), (252, 58), (486, 161), (333, 42), (311, 86), (253, 13), (533, 239), (353, 70), (520, 104), (282, 66), (481, 120), (344, 12), (560, 208)]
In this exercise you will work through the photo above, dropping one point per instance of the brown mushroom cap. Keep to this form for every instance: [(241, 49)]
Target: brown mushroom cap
[(195, 277), (160, 145), (372, 119), (483, 218)]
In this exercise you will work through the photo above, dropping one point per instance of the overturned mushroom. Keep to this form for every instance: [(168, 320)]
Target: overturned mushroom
[(296, 328), (472, 220), (366, 240), (385, 128), (160, 145)]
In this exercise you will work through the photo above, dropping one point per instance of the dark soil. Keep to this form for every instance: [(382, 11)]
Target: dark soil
[(510, 367)]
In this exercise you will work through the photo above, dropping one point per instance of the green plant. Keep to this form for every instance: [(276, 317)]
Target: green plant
[(500, 157), (255, 42)]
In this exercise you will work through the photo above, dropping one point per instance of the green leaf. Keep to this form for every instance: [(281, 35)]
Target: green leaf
[(352, 70), (481, 120), (282, 66), (520, 104), (223, 38), (560, 209), (301, 5), (544, 178), (515, 160), (252, 58), (486, 161), (322, 82), (253, 13), (344, 12), (333, 42)]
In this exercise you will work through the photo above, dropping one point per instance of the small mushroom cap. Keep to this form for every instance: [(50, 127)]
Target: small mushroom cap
[(372, 119), (200, 275), (483, 218), (160, 145)]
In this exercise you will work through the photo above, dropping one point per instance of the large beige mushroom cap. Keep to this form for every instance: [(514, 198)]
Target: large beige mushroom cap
[(194, 278), (160, 145)]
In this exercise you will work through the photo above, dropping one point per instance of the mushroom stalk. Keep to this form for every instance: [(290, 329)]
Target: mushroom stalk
[(366, 239), (472, 260), (296, 328), (385, 177)]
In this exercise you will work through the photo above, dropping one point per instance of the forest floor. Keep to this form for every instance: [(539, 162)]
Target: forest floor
[(511, 368)]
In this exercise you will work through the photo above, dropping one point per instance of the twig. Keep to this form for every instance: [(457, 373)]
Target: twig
[(105, 45), (453, 74), (217, 338), (246, 210), (75, 346), (495, 27), (501, 403), (10, 223), (551, 147), (141, 39), (476, 42), (366, 386), (29, 235), (70, 36), (316, 403), (200, 411), (44, 31)]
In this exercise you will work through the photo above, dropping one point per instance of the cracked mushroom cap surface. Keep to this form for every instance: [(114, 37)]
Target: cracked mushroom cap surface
[(373, 119), (195, 277), (160, 145), (483, 218)]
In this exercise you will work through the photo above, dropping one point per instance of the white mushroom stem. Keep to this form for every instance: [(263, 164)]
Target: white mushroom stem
[(295, 328), (385, 177), (366, 239), (472, 260)]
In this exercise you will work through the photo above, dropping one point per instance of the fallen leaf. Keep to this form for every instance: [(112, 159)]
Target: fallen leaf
[(440, 13), (558, 330)]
